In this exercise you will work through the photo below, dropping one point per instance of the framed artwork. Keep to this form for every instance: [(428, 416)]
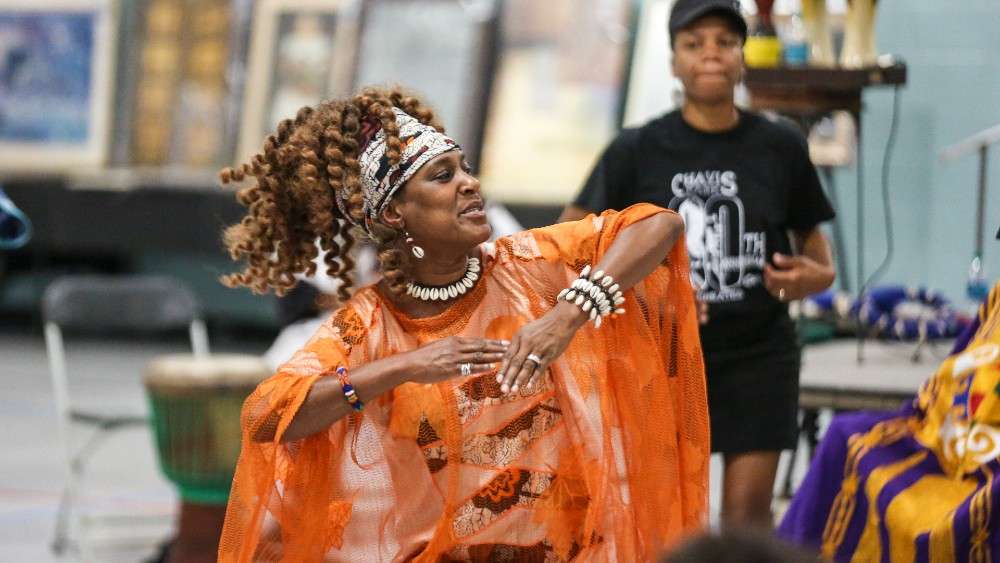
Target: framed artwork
[(301, 52), (56, 74), (556, 98), (177, 89), (651, 88), (442, 50)]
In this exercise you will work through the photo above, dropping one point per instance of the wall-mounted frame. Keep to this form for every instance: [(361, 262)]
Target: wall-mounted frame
[(556, 97), (178, 88), (651, 87), (56, 76), (301, 52), (443, 50)]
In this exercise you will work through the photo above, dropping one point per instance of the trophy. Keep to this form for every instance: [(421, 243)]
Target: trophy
[(763, 48), (764, 24), (859, 35), (818, 33)]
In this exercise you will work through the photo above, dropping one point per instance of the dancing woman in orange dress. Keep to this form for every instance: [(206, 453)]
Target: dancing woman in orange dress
[(540, 398)]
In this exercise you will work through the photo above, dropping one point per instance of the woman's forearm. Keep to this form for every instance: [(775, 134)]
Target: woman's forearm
[(641, 247), (325, 403), (635, 253), (813, 245)]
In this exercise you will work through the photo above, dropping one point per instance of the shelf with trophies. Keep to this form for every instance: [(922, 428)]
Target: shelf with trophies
[(807, 93), (801, 74)]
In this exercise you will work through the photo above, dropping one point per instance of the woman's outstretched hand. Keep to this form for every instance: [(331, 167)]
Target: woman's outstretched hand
[(538, 344), (436, 361), (444, 359)]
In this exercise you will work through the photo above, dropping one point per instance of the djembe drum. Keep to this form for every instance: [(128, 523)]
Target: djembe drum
[(195, 404)]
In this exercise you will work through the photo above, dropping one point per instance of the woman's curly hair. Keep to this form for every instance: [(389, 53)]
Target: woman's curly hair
[(291, 204)]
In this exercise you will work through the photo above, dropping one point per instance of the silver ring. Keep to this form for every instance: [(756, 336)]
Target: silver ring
[(781, 294), (466, 369), (534, 358)]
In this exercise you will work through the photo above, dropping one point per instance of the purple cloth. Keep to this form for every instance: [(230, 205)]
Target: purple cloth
[(966, 335), (806, 517)]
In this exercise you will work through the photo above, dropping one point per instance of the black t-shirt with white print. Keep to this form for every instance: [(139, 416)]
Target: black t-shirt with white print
[(739, 191)]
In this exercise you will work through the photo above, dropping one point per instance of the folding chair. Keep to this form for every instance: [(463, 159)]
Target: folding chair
[(102, 305)]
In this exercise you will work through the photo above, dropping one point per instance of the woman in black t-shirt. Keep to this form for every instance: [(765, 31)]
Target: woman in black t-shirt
[(752, 203)]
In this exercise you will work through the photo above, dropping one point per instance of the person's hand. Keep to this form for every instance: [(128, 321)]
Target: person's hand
[(538, 344), (796, 277), (444, 359)]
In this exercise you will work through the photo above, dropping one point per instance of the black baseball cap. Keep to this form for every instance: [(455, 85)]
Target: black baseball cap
[(686, 12)]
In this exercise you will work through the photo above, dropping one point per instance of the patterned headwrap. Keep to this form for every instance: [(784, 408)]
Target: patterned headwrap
[(380, 180)]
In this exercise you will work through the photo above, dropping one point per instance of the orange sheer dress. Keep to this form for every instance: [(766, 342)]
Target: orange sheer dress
[(605, 460)]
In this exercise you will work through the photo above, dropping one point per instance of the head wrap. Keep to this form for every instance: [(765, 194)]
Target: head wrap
[(380, 180)]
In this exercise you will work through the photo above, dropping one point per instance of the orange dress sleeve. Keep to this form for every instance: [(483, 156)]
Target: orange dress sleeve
[(585, 241), (280, 487), (646, 368)]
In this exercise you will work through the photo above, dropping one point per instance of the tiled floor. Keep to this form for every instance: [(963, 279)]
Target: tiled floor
[(124, 478)]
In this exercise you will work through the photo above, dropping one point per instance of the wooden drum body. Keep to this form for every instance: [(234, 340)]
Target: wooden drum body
[(195, 404)]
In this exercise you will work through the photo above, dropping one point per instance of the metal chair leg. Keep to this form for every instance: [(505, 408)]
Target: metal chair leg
[(61, 538), (786, 487), (809, 428), (62, 541)]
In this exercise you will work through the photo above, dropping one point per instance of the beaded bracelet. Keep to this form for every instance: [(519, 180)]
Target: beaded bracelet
[(607, 289), (596, 294), (348, 389)]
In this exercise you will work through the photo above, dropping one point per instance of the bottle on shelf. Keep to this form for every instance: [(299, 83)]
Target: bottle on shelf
[(977, 288), (763, 48), (794, 44)]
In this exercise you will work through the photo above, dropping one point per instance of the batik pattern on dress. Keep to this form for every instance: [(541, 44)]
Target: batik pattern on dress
[(511, 488), (497, 449), (482, 392), (541, 552)]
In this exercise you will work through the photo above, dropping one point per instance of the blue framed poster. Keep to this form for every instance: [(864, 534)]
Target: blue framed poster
[(55, 84)]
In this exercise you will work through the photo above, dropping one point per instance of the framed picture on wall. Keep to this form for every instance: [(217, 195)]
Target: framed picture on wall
[(442, 50), (56, 73), (556, 97), (301, 52), (652, 89), (176, 92)]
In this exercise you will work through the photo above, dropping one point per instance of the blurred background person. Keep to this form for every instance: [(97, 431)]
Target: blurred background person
[(752, 204), (737, 546)]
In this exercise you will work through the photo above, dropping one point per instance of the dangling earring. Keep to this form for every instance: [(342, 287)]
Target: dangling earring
[(417, 251)]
